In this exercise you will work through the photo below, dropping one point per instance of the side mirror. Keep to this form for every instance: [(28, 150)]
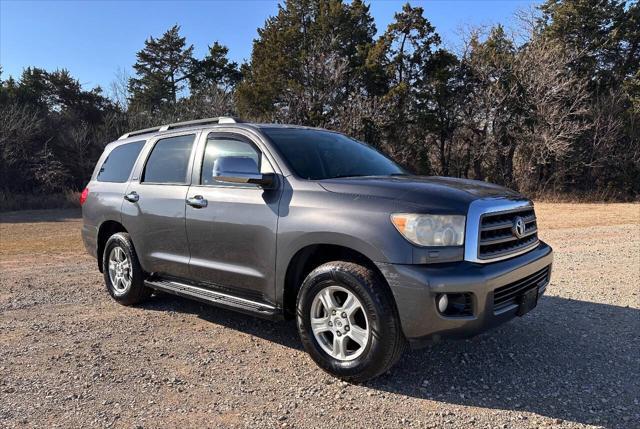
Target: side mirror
[(238, 169)]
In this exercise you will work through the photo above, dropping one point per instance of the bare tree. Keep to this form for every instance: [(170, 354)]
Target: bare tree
[(313, 100), (208, 102), (48, 170), (17, 122), (558, 107), (18, 126), (119, 89)]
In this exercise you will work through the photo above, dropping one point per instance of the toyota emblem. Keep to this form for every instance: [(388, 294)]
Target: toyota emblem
[(518, 227)]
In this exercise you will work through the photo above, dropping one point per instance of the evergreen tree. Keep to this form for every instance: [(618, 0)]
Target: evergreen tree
[(214, 70), (405, 56), (307, 60), (499, 103), (606, 33), (40, 116), (408, 44), (438, 108), (604, 37), (162, 69)]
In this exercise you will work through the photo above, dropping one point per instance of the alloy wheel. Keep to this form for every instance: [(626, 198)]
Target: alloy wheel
[(120, 272), (339, 323)]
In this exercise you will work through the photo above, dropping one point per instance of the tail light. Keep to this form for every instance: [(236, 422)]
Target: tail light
[(84, 195)]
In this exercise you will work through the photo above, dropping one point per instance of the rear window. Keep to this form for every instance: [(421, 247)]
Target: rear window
[(169, 160), (117, 167)]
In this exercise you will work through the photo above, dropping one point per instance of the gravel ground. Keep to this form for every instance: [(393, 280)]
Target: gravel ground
[(71, 357)]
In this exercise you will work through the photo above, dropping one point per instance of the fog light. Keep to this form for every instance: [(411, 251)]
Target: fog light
[(443, 303)]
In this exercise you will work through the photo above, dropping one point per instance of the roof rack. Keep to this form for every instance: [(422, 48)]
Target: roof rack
[(216, 120)]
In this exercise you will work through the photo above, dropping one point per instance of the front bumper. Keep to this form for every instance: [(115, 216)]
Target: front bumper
[(415, 288)]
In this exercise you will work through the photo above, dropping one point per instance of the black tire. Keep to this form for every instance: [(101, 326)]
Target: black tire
[(386, 342), (137, 291)]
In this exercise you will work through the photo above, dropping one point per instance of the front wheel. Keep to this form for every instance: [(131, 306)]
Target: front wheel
[(348, 322)]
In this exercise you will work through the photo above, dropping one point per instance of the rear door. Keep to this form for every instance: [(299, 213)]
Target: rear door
[(154, 207), (107, 188), (233, 238)]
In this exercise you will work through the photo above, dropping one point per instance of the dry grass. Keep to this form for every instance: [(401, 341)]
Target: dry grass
[(594, 196), (35, 233), (570, 215)]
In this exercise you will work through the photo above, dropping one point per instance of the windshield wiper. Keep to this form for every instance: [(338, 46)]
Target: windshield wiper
[(343, 176)]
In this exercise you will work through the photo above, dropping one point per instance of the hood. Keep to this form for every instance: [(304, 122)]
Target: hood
[(437, 194)]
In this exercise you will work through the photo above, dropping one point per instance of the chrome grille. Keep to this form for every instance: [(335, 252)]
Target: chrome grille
[(498, 238)]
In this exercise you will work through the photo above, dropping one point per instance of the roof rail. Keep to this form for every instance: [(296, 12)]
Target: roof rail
[(216, 120)]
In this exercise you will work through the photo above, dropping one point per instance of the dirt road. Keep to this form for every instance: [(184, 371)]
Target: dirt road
[(71, 357)]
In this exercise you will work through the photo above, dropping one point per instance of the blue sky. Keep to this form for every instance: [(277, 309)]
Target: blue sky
[(94, 39)]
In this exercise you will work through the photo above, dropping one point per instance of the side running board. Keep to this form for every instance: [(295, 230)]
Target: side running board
[(218, 299)]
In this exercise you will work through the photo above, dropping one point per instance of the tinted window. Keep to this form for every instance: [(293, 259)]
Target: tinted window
[(169, 160), (117, 167), (316, 154), (225, 152)]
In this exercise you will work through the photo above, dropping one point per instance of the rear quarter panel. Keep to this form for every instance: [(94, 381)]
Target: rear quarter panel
[(103, 203)]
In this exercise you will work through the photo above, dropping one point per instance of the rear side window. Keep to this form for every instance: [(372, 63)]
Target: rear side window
[(117, 167), (169, 160)]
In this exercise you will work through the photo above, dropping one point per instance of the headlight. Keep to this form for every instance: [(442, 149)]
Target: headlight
[(430, 230)]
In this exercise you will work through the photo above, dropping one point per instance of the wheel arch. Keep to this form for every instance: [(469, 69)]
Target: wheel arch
[(106, 230), (312, 256)]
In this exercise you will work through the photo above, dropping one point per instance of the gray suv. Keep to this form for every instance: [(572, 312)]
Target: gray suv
[(285, 221)]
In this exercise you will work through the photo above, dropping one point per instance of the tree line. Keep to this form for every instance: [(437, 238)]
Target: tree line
[(551, 106)]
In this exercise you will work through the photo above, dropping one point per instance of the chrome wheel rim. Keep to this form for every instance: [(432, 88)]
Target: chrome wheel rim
[(119, 271), (339, 323)]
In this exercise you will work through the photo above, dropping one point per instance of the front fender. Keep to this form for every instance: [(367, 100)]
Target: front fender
[(313, 216), (337, 239)]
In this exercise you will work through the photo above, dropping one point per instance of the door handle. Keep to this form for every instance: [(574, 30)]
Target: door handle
[(132, 197), (197, 202)]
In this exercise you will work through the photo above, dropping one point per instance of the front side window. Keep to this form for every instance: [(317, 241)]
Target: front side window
[(318, 155), (117, 167), (228, 155), (169, 160)]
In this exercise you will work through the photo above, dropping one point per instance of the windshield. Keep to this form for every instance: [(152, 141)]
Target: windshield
[(317, 154)]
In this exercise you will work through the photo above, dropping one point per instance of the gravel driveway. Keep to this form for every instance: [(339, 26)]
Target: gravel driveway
[(71, 357)]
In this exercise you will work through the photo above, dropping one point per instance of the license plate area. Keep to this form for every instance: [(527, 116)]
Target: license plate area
[(527, 301)]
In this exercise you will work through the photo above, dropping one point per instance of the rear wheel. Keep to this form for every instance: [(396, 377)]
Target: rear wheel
[(348, 322), (123, 275)]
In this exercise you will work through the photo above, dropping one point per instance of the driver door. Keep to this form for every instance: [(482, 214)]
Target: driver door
[(231, 227)]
